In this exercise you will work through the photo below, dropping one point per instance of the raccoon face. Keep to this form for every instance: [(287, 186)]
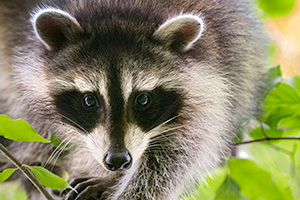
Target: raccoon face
[(115, 98)]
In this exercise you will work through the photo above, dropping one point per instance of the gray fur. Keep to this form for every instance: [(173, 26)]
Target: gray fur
[(218, 74)]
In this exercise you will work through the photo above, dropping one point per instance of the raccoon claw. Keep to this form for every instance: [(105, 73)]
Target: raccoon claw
[(86, 188)]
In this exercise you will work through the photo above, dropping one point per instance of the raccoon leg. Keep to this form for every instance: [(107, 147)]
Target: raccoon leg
[(87, 188)]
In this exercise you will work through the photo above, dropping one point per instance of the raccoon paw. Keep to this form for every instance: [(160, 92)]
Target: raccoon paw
[(86, 188)]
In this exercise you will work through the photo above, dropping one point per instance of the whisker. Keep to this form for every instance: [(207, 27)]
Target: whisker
[(75, 123), (165, 122), (154, 143), (55, 151), (161, 134), (172, 106), (60, 152)]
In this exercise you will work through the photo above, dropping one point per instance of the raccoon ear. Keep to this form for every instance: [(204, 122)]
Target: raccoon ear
[(181, 32), (54, 27)]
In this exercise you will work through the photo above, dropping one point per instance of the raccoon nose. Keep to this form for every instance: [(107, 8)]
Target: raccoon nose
[(117, 160)]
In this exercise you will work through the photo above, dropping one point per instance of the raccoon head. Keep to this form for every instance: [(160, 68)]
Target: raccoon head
[(115, 93)]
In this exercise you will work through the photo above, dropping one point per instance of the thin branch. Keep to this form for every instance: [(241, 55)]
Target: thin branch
[(28, 173), (263, 129), (293, 161), (280, 149), (267, 139), (291, 154)]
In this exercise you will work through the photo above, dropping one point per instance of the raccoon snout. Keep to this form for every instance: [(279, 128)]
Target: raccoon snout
[(114, 161)]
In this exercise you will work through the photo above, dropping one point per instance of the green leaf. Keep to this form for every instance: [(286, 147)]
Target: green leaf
[(277, 8), (277, 161), (282, 102), (279, 113), (274, 77), (6, 174), (283, 96), (55, 141), (292, 122), (208, 187), (296, 82), (255, 182), (48, 179), (19, 130), (229, 190), (257, 133)]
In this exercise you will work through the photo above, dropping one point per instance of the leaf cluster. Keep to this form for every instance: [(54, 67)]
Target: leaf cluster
[(267, 165), (20, 130)]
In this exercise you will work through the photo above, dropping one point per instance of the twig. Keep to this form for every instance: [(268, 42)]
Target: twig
[(28, 173), (282, 150), (267, 139), (291, 154), (263, 129), (293, 161)]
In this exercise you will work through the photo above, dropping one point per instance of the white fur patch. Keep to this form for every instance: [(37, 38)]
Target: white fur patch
[(92, 83), (136, 142), (98, 143), (126, 84), (147, 82), (83, 85), (142, 82)]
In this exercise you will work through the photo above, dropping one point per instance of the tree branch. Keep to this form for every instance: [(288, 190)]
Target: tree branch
[(27, 172), (267, 139)]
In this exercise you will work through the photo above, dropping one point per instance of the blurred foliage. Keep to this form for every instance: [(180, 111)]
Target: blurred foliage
[(277, 8), (12, 191), (271, 170), (265, 170), (20, 130)]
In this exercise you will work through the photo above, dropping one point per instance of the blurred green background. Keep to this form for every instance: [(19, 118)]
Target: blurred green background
[(282, 24)]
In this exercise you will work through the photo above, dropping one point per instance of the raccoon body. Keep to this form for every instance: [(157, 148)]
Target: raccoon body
[(147, 95)]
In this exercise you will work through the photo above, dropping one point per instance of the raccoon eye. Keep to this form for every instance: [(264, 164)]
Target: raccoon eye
[(90, 101), (142, 100)]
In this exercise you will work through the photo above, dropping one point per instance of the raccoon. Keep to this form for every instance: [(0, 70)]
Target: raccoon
[(147, 95)]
